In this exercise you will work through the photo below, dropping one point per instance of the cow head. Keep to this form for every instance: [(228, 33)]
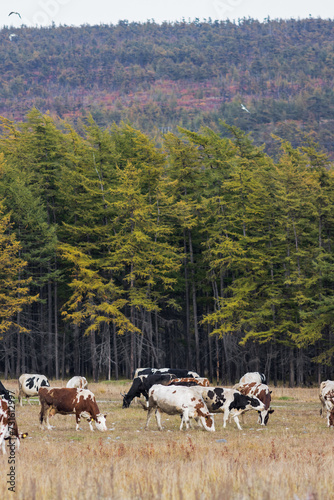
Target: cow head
[(126, 400), (100, 422), (266, 418)]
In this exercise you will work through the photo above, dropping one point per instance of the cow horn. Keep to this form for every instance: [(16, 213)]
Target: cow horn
[(123, 395)]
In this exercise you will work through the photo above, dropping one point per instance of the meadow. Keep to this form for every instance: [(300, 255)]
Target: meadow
[(291, 458)]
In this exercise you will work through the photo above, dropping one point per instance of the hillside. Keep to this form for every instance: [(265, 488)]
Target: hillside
[(189, 74)]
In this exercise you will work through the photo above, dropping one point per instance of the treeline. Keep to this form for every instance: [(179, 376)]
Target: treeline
[(159, 76), (205, 253)]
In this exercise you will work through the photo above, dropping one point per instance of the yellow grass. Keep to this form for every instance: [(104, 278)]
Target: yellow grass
[(292, 458)]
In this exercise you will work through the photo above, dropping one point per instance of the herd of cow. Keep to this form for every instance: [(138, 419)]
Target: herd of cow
[(171, 391)]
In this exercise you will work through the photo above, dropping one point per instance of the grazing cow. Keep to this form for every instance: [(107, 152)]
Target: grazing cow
[(178, 372), (189, 382), (8, 427), (66, 401), (142, 384), (262, 392), (180, 400), (228, 401), (248, 378), (324, 385), (327, 400), (4, 393), (29, 385), (77, 383)]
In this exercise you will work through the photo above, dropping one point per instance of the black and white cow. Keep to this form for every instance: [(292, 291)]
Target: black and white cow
[(5, 393), (29, 385), (142, 384), (178, 372), (178, 400), (228, 401)]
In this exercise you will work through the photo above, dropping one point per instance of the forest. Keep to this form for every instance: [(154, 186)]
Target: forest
[(203, 252), (157, 77)]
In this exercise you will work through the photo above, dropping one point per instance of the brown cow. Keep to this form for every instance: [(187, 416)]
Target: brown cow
[(66, 401), (8, 427), (189, 382)]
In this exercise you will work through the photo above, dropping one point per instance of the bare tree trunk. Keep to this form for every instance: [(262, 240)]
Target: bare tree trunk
[(193, 286), (186, 284), (93, 355), (115, 352), (217, 360), (56, 329), (50, 350), (76, 362), (63, 356), (292, 368)]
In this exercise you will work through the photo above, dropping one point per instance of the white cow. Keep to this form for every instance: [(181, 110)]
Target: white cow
[(29, 385), (77, 382), (248, 378), (326, 396), (180, 400)]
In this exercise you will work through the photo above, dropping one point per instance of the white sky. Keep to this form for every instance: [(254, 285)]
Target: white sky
[(78, 12)]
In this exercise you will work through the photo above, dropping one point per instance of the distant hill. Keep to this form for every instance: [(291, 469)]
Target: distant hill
[(158, 76)]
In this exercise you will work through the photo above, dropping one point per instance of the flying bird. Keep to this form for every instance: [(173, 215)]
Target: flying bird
[(244, 108), (17, 13)]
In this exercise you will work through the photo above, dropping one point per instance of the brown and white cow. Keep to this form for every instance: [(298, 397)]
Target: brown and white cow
[(327, 400), (262, 392), (77, 382), (180, 400), (8, 427), (67, 401), (189, 382)]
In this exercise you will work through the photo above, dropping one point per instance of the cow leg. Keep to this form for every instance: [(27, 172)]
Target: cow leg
[(49, 427), (236, 420), (158, 419), (2, 439), (149, 415), (77, 419), (90, 420), (225, 418), (185, 419)]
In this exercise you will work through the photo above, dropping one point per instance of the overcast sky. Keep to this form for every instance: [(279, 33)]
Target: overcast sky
[(78, 12)]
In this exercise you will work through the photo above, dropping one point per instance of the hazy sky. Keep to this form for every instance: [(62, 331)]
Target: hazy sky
[(77, 12)]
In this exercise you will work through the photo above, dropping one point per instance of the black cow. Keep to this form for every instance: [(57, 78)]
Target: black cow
[(4, 392), (178, 372), (142, 384)]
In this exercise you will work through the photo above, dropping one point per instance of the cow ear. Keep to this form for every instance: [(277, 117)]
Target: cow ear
[(270, 392), (105, 416)]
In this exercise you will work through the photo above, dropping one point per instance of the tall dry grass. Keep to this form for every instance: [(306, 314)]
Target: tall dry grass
[(292, 458)]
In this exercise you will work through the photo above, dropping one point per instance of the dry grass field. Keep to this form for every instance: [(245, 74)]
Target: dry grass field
[(292, 458)]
